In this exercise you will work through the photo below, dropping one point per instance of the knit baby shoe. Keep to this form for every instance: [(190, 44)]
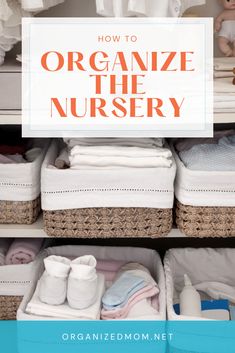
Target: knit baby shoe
[(53, 283), (82, 282)]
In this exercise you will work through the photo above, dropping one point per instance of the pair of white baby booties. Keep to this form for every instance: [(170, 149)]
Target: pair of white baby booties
[(74, 280)]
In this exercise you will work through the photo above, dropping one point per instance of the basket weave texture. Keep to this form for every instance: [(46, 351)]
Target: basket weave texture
[(19, 212), (9, 306), (108, 222), (205, 222)]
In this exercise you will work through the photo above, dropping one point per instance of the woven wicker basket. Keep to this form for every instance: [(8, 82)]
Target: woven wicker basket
[(108, 222), (205, 221), (9, 306), (19, 212)]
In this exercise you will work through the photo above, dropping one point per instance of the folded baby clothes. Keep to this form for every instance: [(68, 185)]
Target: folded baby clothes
[(223, 85), (39, 5), (120, 292), (217, 290), (11, 159), (82, 282), (184, 144), (32, 154), (53, 283), (143, 310), (82, 161), (224, 64), (122, 312), (23, 251), (211, 157), (120, 151), (149, 291), (150, 8), (64, 311), (10, 24), (126, 142), (4, 246)]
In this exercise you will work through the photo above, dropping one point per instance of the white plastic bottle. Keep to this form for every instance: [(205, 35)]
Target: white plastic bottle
[(190, 301)]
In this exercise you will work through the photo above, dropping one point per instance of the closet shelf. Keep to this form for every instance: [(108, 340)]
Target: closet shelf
[(14, 118), (35, 230)]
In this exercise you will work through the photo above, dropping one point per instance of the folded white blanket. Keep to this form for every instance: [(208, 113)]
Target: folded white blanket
[(120, 151), (225, 105), (217, 290), (65, 312), (81, 161), (131, 142), (224, 85), (211, 157), (218, 97), (219, 74), (224, 64)]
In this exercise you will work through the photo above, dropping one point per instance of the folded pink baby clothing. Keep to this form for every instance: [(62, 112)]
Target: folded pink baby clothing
[(109, 265), (23, 251), (11, 159), (147, 292)]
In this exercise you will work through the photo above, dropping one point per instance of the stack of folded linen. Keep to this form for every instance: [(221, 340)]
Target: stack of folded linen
[(114, 153), (132, 296), (224, 89), (217, 154), (19, 251)]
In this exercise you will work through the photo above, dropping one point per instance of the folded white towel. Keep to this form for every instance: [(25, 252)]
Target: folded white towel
[(64, 312), (78, 161), (141, 310), (131, 142), (224, 85), (217, 290), (224, 64), (121, 151), (220, 74)]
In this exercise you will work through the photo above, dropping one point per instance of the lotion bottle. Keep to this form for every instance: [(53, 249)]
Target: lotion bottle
[(190, 301)]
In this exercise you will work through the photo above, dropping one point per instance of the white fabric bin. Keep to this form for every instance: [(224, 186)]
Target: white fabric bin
[(148, 258), (201, 265)]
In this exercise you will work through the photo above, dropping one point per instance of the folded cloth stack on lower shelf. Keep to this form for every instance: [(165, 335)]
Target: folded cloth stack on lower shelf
[(224, 88), (16, 261), (19, 251), (78, 290), (108, 187), (205, 185)]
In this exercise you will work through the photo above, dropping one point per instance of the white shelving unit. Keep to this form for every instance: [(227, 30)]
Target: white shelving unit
[(14, 118), (35, 230)]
